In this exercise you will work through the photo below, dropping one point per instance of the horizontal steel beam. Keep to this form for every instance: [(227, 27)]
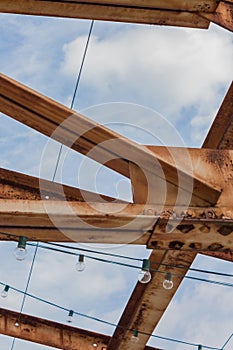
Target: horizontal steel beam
[(49, 333), (195, 229), (160, 12)]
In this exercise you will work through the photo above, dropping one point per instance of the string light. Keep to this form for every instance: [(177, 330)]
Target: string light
[(80, 265), (167, 283), (103, 321), (144, 275), (95, 345), (199, 347), (20, 251), (225, 284), (70, 316), (135, 337), (5, 290), (130, 258)]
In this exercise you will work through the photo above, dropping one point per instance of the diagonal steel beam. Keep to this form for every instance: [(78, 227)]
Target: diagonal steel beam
[(148, 303), (222, 16), (220, 135), (89, 138)]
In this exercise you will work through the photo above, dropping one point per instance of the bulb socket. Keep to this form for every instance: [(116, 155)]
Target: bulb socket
[(71, 313), (81, 258), (168, 276), (6, 288), (146, 265), (22, 242)]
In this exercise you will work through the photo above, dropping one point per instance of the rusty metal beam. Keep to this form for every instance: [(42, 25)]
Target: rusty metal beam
[(220, 135), (223, 16), (141, 312), (203, 229), (49, 333), (160, 12), (75, 221), (210, 165), (148, 303), (96, 141), (14, 185)]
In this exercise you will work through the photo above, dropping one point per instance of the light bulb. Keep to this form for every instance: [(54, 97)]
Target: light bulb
[(20, 251), (5, 291), (70, 316), (95, 345), (135, 337), (16, 324), (167, 283), (80, 265), (199, 347), (144, 275)]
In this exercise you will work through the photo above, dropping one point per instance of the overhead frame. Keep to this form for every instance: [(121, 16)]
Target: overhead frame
[(196, 13)]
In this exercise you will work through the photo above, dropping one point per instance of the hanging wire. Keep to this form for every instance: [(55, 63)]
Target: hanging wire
[(26, 289), (224, 345), (107, 322), (74, 94)]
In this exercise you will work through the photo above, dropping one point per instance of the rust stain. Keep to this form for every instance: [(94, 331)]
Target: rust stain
[(215, 246), (204, 229), (176, 245), (225, 230), (186, 228), (195, 245)]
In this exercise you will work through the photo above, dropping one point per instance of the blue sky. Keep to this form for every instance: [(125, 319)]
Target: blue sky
[(156, 85)]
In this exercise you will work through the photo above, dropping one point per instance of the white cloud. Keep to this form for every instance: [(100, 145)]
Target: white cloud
[(166, 68)]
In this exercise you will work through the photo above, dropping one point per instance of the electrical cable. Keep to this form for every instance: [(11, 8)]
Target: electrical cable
[(137, 259), (134, 266), (222, 274), (225, 284), (75, 93), (227, 341), (107, 322)]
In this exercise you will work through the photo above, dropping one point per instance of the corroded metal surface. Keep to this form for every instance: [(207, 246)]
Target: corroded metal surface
[(220, 135), (158, 12), (49, 333)]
